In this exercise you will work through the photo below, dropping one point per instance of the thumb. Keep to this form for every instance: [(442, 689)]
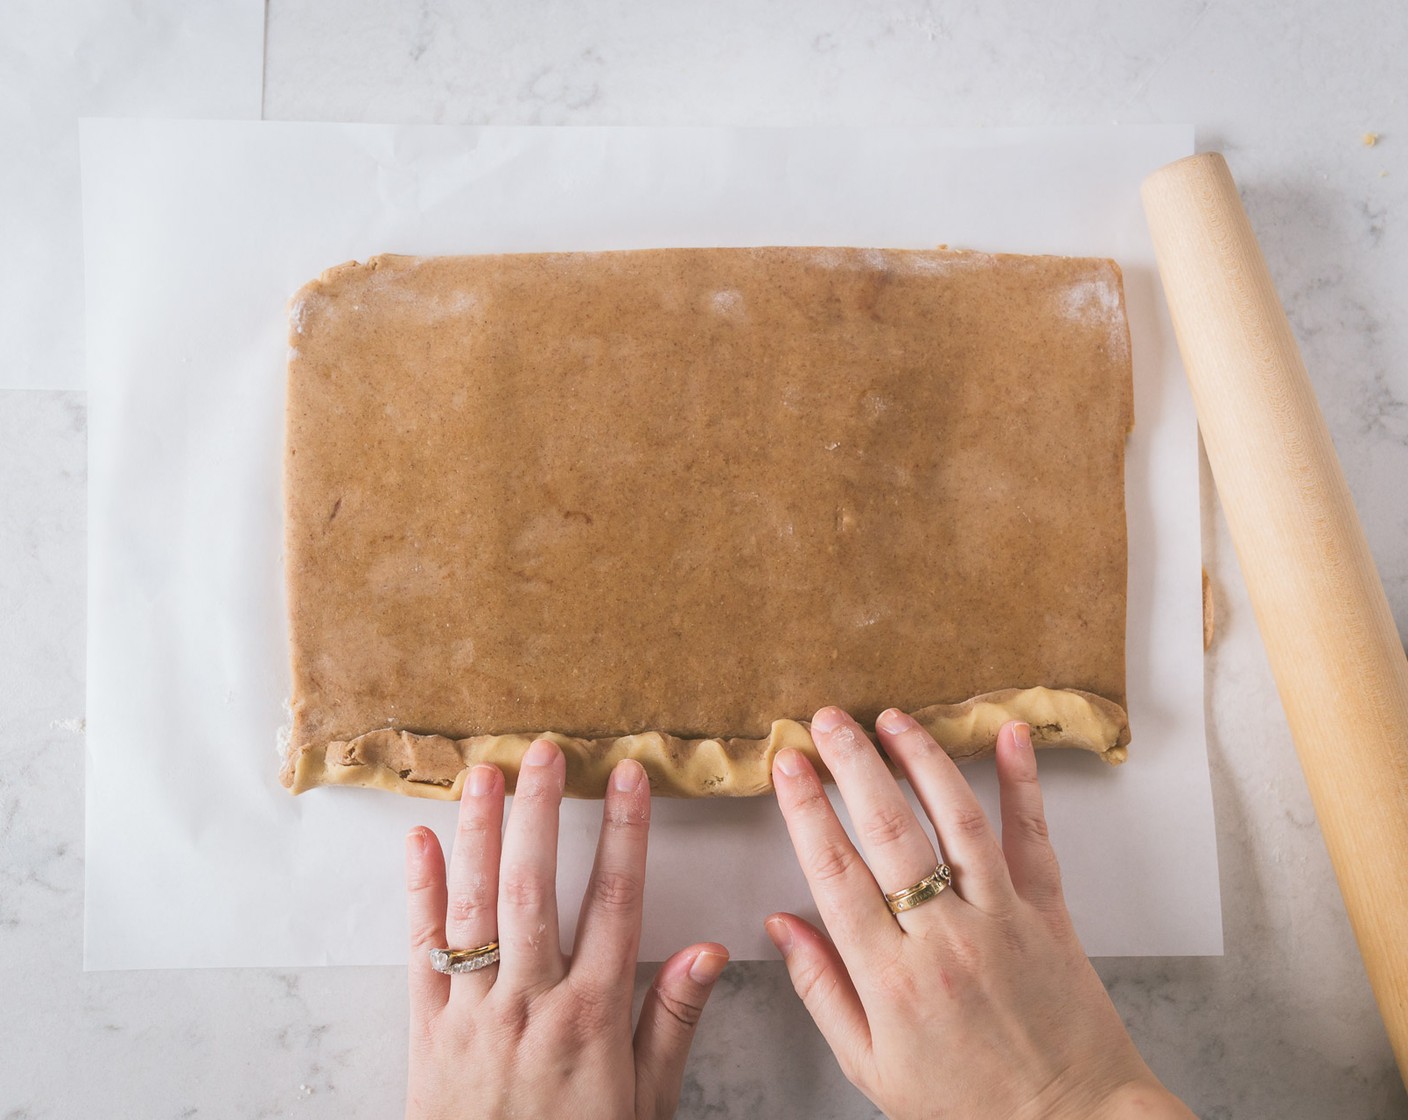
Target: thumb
[(826, 989), (668, 1017)]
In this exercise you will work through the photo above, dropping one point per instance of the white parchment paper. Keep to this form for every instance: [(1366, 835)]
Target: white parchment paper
[(196, 235), (65, 59)]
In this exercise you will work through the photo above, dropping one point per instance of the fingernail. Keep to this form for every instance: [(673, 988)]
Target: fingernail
[(481, 780), (828, 719), (789, 761), (542, 752), (628, 775), (781, 934), (894, 721), (707, 966), (416, 839), (1022, 736)]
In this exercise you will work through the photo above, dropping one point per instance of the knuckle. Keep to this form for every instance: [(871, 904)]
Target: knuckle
[(971, 823), (814, 982), (968, 954), (1004, 910), (1046, 894), (1015, 938), (1032, 823), (685, 1012), (888, 825), (539, 789), (475, 829), (470, 903), (524, 889), (616, 892), (424, 934), (628, 819), (811, 800), (833, 861), (1024, 780), (512, 1015), (594, 1014)]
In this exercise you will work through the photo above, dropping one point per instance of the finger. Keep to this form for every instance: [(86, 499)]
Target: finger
[(668, 1016), (471, 919), (825, 988), (608, 930), (850, 902), (965, 837), (894, 842), (425, 890), (1031, 861), (530, 949)]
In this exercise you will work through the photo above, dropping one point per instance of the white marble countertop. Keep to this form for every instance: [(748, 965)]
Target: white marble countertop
[(1282, 1025)]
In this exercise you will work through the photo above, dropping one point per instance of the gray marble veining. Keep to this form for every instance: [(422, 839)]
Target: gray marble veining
[(1282, 1025)]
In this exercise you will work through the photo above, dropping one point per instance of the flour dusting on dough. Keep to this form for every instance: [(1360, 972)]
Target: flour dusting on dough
[(283, 737), (298, 315), (728, 303), (944, 260), (877, 259), (1091, 299), (1095, 301)]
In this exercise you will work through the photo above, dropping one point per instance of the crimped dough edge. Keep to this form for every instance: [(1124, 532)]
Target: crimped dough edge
[(434, 766)]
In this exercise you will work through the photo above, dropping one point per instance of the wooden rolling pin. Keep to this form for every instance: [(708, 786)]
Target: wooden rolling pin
[(1337, 657)]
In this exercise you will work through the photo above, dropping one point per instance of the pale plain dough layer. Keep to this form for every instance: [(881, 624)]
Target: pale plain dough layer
[(668, 503), (422, 765)]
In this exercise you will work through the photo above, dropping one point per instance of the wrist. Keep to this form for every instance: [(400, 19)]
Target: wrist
[(1142, 1099)]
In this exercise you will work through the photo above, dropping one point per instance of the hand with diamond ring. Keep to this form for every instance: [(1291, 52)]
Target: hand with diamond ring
[(973, 999), (525, 1030)]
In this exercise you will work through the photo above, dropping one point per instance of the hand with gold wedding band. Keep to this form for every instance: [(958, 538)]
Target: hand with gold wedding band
[(960, 994), (501, 1021)]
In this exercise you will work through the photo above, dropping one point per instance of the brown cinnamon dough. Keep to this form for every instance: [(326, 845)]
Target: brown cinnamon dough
[(643, 499)]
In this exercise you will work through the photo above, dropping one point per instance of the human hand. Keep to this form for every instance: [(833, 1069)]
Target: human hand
[(539, 1034), (979, 1002)]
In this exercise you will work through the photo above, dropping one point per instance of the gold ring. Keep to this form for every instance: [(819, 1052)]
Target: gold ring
[(931, 886), (454, 961)]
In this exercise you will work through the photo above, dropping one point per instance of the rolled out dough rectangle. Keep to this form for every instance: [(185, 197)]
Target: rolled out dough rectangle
[(643, 499), (193, 858)]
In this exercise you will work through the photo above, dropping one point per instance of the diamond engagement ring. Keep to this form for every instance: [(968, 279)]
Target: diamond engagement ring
[(453, 961)]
